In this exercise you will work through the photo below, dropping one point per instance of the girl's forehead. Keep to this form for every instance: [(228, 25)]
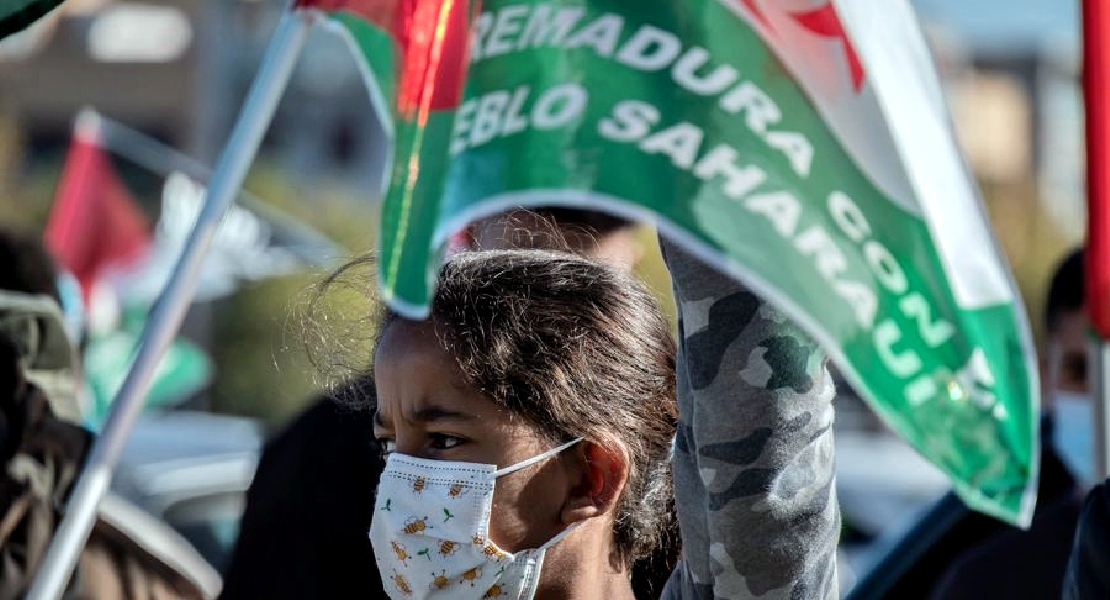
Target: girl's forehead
[(416, 379), (410, 353), (424, 406), (403, 335)]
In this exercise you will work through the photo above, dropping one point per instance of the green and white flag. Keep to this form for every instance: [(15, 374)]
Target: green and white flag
[(802, 144)]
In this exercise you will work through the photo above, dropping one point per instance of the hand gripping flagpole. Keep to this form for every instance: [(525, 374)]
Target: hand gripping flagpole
[(165, 319)]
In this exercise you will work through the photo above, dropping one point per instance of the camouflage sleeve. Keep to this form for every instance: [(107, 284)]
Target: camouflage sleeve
[(753, 464)]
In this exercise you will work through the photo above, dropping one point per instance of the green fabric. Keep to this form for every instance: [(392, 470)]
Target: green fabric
[(583, 103), (183, 371), (376, 53)]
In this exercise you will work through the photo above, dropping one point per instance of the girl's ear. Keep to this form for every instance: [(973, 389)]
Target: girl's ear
[(600, 474), (621, 248), (467, 237)]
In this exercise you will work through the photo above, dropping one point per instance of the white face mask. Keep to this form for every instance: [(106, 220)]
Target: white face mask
[(430, 532), (1073, 436)]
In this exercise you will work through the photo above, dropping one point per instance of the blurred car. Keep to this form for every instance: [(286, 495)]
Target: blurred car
[(883, 488), (192, 471)]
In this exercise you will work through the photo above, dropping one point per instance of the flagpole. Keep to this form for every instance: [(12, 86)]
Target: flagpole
[(1096, 79), (254, 118), (139, 148)]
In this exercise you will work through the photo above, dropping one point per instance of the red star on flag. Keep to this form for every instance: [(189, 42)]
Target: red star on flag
[(824, 22)]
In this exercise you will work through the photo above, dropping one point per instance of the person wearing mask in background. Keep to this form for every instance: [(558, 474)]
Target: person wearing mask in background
[(304, 531), (1088, 570), (1031, 564), (129, 555)]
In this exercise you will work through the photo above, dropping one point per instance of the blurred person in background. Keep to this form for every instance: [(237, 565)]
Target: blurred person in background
[(304, 533), (1088, 570), (129, 555), (1030, 564)]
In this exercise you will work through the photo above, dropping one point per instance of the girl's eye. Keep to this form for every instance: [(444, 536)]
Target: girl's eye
[(442, 441)]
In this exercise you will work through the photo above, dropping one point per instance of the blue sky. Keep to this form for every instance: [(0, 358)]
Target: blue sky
[(1049, 24)]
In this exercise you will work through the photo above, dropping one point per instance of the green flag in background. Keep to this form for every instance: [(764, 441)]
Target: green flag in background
[(183, 371), (802, 145), (17, 15)]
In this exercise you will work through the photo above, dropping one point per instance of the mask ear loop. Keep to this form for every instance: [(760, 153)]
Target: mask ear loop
[(535, 459)]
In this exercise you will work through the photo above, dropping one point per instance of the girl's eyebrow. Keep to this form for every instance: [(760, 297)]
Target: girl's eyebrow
[(428, 414)]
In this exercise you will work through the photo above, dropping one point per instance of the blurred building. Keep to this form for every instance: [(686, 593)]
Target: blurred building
[(140, 62), (1012, 75), (179, 69), (1019, 116)]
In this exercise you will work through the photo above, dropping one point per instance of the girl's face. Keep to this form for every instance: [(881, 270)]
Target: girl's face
[(426, 410)]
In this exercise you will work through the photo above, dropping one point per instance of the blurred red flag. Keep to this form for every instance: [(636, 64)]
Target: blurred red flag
[(94, 222)]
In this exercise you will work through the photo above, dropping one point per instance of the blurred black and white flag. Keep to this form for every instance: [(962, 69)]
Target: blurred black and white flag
[(253, 242)]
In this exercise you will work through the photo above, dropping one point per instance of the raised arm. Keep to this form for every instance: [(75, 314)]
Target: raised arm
[(753, 463)]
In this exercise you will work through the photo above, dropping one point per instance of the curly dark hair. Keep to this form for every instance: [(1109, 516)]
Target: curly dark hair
[(577, 348)]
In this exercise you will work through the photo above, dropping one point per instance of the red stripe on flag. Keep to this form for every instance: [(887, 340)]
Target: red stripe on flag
[(94, 223), (432, 36), (1096, 78), (434, 49)]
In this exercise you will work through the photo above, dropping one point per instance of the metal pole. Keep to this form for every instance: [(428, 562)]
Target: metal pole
[(1099, 352), (149, 153), (266, 91)]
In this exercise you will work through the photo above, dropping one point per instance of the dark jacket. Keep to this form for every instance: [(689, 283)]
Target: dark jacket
[(1013, 563), (129, 554), (1088, 572), (305, 530)]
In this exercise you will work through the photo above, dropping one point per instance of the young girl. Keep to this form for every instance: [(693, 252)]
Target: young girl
[(529, 424)]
